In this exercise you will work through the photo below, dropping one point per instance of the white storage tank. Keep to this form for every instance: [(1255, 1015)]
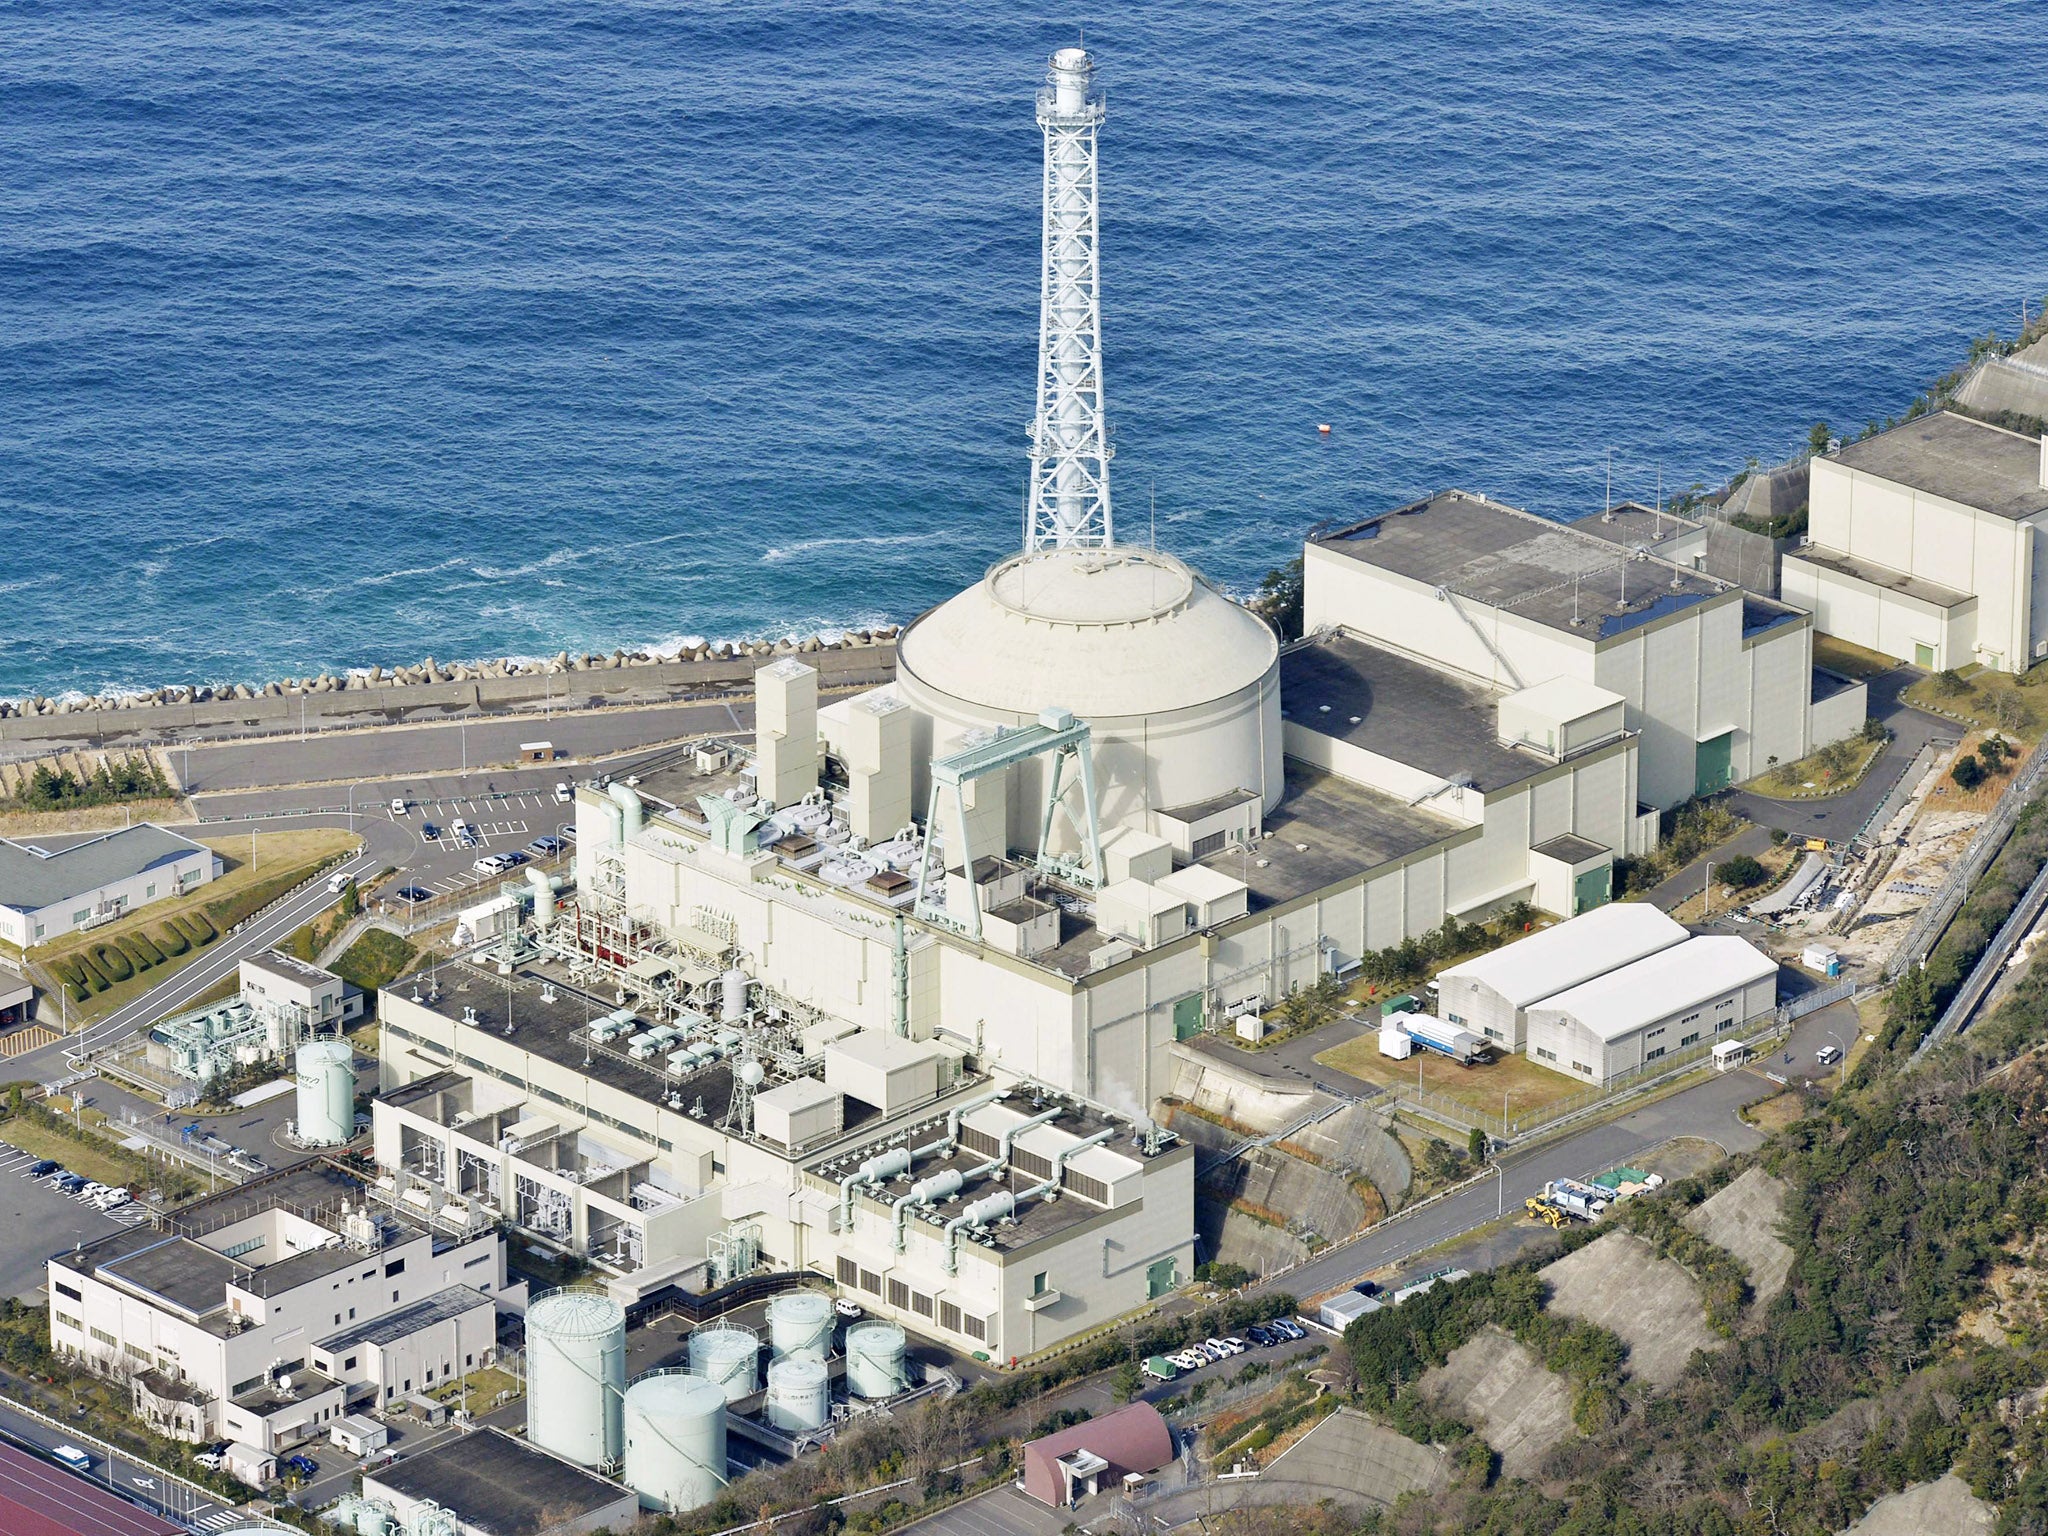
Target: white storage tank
[(675, 1441), (432, 1520), (732, 996), (874, 1360), (726, 1354), (800, 1323), (374, 1519), (576, 1375), (327, 1092), (799, 1393)]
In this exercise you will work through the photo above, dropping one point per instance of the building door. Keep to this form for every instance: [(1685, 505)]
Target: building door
[(1714, 764), (1592, 889), (1923, 656), (1161, 1278), (1187, 1017)]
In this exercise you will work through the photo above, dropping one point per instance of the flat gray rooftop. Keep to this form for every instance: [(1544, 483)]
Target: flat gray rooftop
[(1884, 576), (455, 1301), (1633, 524), (1548, 572), (188, 1275), (499, 1484), (1326, 830), (1570, 848), (31, 880), (1960, 460), (1399, 708)]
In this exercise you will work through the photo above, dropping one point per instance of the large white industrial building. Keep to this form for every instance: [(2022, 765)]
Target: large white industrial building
[(1925, 543), (217, 1317), (1492, 995), (1671, 1001), (888, 998)]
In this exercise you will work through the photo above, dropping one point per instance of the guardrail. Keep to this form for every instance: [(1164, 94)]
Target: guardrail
[(1978, 983)]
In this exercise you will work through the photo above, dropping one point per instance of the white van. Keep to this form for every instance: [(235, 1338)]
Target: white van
[(563, 793), (337, 883)]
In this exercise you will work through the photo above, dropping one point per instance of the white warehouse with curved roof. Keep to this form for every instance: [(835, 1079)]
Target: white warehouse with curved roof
[(1492, 995)]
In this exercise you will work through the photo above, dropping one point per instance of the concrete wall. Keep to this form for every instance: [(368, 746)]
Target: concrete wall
[(380, 704), (1880, 619)]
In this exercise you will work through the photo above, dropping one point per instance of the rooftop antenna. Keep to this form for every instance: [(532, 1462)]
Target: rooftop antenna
[(1070, 452), (1608, 515), (1660, 498), (1575, 599)]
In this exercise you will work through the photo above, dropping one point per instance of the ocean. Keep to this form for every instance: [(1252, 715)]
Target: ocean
[(358, 333)]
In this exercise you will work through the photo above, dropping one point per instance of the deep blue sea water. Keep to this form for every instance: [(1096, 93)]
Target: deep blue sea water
[(359, 332)]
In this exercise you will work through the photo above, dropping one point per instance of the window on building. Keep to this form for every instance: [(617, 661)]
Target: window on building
[(349, 1364), (395, 1267), (408, 1384), (149, 893), (1455, 1018), (1691, 1039), (1582, 1069), (469, 1362), (1691, 1018), (68, 1321), (1653, 1055), (1038, 1283), (1546, 1055), (245, 1386), (105, 1337), (70, 1293)]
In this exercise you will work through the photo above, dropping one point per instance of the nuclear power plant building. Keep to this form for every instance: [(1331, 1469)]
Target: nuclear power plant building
[(887, 993)]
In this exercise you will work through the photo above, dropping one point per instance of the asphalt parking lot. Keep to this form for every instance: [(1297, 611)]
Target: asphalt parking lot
[(37, 1219)]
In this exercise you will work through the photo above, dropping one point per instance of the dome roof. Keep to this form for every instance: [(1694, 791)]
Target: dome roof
[(1107, 633)]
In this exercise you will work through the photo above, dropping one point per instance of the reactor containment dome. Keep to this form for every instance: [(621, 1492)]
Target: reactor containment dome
[(1180, 685)]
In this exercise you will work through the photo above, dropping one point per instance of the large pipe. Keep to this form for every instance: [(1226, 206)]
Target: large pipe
[(885, 1165), (960, 1111), (1003, 1203), (1010, 1136), (631, 812)]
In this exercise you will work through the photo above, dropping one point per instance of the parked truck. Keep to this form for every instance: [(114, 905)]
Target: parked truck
[(1585, 1201), (1461, 1045)]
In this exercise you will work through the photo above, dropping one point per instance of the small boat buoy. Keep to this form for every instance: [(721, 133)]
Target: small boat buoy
[(1324, 428)]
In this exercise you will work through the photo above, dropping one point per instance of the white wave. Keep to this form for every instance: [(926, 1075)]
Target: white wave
[(778, 554)]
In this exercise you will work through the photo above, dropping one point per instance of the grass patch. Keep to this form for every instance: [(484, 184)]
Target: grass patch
[(1835, 768), (487, 1388), (376, 959), (1527, 1085), (1985, 699), (1852, 661), (109, 967)]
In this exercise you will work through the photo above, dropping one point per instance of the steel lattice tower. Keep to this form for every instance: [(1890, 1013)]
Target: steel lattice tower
[(1068, 503)]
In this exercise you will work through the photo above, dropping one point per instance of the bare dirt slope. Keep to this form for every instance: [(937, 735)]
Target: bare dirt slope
[(1944, 1507)]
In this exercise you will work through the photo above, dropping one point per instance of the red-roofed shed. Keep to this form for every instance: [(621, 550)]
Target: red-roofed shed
[(1077, 1461), (38, 1499)]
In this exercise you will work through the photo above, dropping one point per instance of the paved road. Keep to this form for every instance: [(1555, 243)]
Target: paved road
[(389, 752), (1707, 1109), (1690, 880), (1842, 816), (180, 1502)]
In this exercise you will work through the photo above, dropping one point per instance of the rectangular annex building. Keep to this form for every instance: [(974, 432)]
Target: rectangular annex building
[(49, 889), (1670, 1001), (1492, 995)]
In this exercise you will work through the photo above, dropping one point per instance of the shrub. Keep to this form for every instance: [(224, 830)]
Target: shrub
[(1949, 684), (1742, 872), (1968, 773), (111, 962)]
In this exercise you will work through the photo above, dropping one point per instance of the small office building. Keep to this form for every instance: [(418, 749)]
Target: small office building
[(1492, 995), (50, 887), (1668, 1002)]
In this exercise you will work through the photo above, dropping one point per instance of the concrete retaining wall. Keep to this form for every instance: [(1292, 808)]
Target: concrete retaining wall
[(361, 702)]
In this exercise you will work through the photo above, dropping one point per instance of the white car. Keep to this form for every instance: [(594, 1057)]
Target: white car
[(488, 865), (846, 1306), (1189, 1359), (1215, 1349), (213, 1461), (563, 793), (113, 1199), (92, 1191), (1235, 1345), (399, 808)]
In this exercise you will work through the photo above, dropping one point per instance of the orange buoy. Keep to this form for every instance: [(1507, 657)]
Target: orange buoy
[(1324, 428)]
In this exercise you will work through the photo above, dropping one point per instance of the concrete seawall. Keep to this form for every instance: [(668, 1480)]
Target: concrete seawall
[(363, 703)]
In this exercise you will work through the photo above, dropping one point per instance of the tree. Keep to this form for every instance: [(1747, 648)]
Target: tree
[(1817, 439), (1475, 1145), (1279, 597), (351, 902), (1992, 752), (2008, 713), (1968, 773), (1126, 1383), (1741, 872), (1950, 684)]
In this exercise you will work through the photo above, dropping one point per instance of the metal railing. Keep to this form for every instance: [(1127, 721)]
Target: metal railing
[(1978, 983), (1991, 836)]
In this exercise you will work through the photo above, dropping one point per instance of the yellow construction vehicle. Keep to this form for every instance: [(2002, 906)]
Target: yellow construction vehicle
[(1545, 1212)]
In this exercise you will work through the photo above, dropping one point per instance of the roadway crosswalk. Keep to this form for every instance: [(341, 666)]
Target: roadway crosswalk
[(213, 1520)]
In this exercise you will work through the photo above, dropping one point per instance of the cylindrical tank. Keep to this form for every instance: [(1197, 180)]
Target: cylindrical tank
[(874, 1360), (675, 1441), (726, 1354), (799, 1392), (630, 811), (327, 1092), (344, 1512), (374, 1519), (800, 1323), (732, 995), (543, 896), (576, 1375)]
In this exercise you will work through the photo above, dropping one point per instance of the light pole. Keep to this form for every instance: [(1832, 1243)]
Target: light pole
[(1707, 891), (1500, 1174), (1841, 1061)]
